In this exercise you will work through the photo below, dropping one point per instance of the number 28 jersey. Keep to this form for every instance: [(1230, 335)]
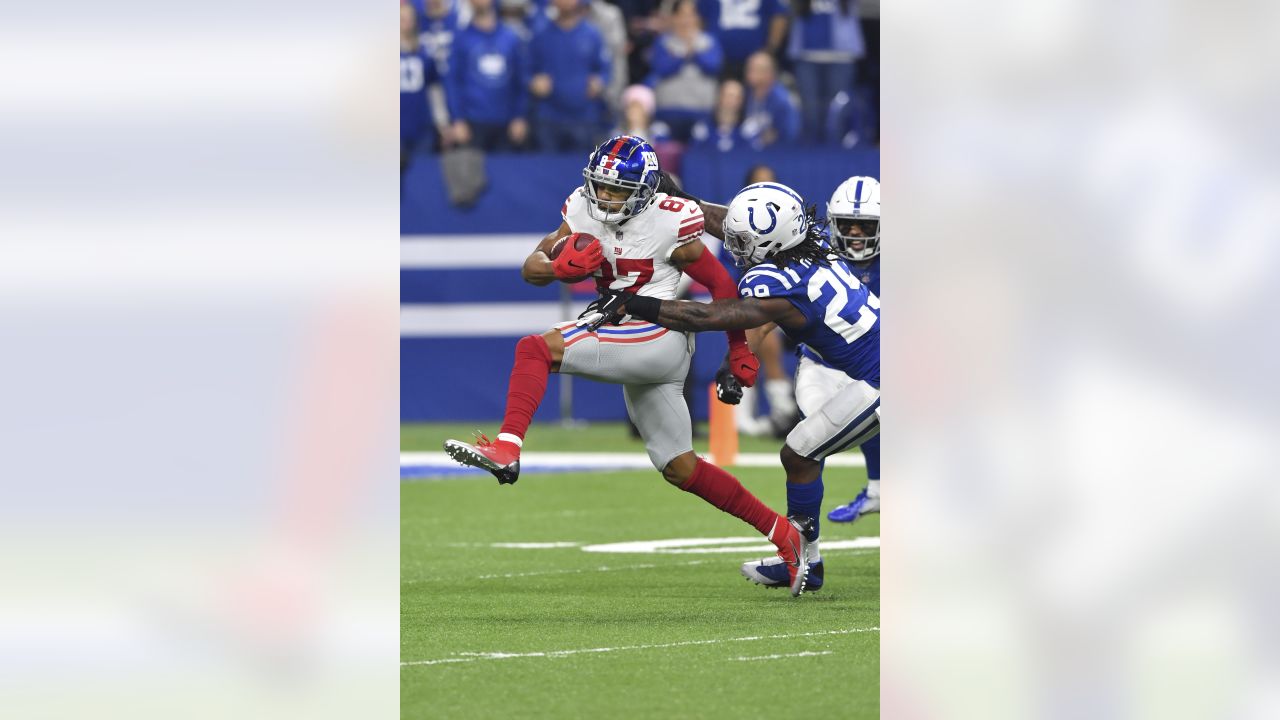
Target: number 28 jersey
[(637, 252), (842, 316)]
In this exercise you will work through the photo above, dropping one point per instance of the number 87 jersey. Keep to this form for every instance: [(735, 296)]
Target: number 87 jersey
[(637, 252), (842, 316)]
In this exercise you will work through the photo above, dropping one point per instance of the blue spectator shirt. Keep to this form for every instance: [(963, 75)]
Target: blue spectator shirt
[(436, 34), (708, 135), (569, 57), (664, 64), (416, 73), (826, 31), (488, 79), (741, 26), (775, 111)]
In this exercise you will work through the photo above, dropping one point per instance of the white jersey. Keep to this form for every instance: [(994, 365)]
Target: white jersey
[(637, 252)]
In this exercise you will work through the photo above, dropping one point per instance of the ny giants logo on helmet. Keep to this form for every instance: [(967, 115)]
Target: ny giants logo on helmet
[(650, 161)]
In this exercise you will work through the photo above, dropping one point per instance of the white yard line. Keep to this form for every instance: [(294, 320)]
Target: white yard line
[(575, 571), (534, 545), (474, 656), (619, 461), (784, 655)]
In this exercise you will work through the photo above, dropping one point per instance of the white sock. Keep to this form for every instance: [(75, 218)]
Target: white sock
[(814, 555), (744, 413), (781, 399), (873, 487), (514, 439)]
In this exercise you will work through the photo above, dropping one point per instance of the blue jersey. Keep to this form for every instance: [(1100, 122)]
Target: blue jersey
[(570, 57), (416, 73), (436, 34), (826, 34), (488, 78), (868, 274), (842, 317), (774, 111), (741, 26)]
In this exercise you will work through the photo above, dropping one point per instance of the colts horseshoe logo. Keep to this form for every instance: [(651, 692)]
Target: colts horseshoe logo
[(773, 217)]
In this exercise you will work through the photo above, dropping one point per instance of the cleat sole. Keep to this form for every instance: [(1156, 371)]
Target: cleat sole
[(464, 454)]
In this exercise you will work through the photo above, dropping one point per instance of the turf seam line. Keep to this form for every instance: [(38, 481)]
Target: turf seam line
[(474, 656)]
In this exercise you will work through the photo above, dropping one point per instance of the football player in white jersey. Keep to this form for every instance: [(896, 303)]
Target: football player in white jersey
[(640, 242)]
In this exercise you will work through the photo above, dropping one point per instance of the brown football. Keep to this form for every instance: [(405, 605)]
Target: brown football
[(580, 242)]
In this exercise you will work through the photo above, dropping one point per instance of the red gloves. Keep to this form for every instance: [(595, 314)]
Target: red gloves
[(743, 363), (573, 264)]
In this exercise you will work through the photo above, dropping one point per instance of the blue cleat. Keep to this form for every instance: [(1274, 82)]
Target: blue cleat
[(861, 505), (772, 572), (780, 571)]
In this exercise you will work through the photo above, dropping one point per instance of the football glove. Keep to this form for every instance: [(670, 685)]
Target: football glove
[(728, 389), (743, 363), (603, 310), (575, 264)]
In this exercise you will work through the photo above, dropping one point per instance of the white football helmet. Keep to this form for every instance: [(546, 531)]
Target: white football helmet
[(764, 219), (853, 215)]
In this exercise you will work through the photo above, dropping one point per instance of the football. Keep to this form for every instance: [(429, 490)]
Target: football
[(580, 242)]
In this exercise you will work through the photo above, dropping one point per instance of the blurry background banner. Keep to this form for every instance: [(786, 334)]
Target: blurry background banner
[(464, 304)]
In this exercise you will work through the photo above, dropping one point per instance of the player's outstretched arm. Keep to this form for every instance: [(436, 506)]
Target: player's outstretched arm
[(713, 215), (729, 314), (538, 268), (713, 218)]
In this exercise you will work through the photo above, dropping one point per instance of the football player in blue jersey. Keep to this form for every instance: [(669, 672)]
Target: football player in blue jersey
[(853, 216), (792, 279)]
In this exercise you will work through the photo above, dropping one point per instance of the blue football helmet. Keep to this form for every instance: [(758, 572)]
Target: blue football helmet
[(627, 163)]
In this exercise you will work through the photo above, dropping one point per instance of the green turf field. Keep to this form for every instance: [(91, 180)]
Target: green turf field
[(616, 635)]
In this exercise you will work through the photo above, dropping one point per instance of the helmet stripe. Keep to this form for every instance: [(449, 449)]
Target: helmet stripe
[(775, 186), (857, 196), (613, 151)]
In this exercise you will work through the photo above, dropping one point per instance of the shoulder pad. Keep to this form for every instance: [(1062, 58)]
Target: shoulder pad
[(766, 280)]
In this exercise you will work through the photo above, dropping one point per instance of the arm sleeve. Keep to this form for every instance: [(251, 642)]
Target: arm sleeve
[(430, 70), (711, 59), (603, 65), (534, 55), (708, 271), (520, 56), (793, 123), (663, 63), (786, 117), (451, 82)]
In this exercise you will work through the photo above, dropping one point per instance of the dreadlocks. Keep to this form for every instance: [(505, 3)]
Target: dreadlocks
[(811, 248)]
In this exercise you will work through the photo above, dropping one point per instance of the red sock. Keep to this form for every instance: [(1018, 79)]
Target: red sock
[(725, 492), (528, 384)]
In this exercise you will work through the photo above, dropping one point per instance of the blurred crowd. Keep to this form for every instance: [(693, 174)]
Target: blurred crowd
[(562, 75)]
